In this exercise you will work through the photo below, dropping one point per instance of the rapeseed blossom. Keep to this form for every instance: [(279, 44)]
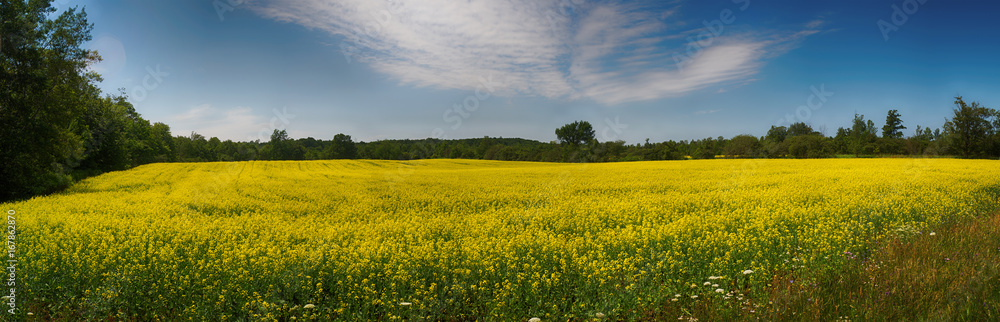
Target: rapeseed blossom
[(356, 239)]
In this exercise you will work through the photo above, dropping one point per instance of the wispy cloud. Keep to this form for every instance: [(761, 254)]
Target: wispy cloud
[(610, 53)]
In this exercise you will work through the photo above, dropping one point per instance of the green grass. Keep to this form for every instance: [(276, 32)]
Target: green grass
[(950, 275)]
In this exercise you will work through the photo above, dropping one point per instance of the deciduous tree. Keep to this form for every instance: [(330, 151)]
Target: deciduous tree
[(575, 133), (971, 128)]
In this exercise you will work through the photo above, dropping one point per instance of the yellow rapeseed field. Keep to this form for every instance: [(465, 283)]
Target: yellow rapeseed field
[(462, 239)]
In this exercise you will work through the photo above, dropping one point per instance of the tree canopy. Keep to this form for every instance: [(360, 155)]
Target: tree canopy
[(973, 129), (893, 126), (55, 124), (575, 133), (342, 147)]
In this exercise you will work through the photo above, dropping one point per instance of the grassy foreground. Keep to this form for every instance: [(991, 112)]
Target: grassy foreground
[(949, 274), (462, 239)]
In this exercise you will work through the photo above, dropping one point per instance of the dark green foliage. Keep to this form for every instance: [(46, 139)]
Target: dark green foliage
[(54, 123), (892, 135), (842, 141), (41, 80), (798, 140), (862, 136), (575, 133), (973, 129), (342, 147), (743, 146), (810, 146), (281, 147), (773, 145), (800, 128), (776, 134), (893, 126)]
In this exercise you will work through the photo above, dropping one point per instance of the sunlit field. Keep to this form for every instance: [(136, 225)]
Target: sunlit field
[(463, 239)]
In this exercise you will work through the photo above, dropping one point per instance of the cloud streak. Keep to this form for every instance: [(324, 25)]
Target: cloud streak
[(609, 53)]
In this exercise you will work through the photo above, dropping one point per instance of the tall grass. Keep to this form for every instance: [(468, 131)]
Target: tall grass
[(948, 274)]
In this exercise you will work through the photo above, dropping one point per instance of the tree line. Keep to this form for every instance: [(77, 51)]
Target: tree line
[(972, 132), (57, 127)]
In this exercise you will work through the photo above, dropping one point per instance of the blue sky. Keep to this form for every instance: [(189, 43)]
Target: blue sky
[(662, 70)]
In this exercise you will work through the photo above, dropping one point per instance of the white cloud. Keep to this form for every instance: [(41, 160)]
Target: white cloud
[(611, 53), (239, 123), (815, 24)]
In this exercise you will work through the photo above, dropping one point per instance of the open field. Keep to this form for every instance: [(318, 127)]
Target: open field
[(464, 239)]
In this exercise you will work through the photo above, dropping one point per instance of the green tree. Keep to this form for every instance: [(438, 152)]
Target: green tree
[(192, 148), (862, 136), (575, 133), (44, 87), (342, 147), (163, 143), (386, 150), (105, 132), (744, 145), (809, 146), (227, 151), (774, 144), (842, 141), (970, 129), (800, 128), (281, 147), (776, 134), (213, 147), (893, 126), (920, 141)]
